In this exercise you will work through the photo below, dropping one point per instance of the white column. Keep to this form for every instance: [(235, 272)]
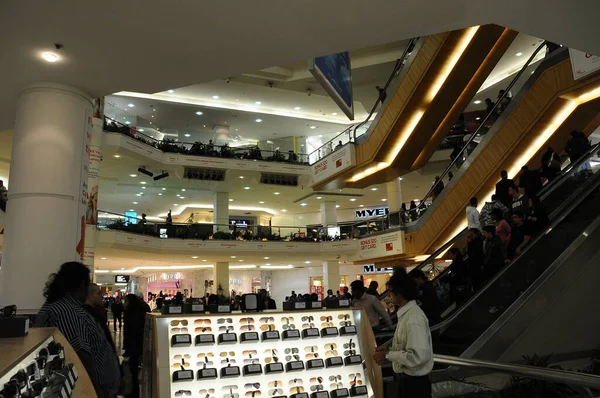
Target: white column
[(221, 211), (221, 277), (91, 217), (328, 213), (331, 275), (394, 194), (45, 218)]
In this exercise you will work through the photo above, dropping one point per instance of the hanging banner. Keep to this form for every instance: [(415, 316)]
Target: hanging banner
[(583, 64)]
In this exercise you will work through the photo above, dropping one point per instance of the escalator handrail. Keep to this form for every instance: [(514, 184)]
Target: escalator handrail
[(554, 375), (397, 68), (486, 118)]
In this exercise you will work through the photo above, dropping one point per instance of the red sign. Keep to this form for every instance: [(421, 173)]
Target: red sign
[(338, 163), (389, 246)]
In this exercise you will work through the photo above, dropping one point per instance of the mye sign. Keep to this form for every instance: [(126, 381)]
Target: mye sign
[(368, 213)]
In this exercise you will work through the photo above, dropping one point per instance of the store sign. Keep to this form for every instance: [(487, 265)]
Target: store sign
[(333, 164), (369, 213), (235, 281), (583, 64), (371, 269), (381, 245), (170, 276)]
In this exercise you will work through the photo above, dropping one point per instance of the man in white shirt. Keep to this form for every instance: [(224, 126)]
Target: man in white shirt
[(373, 307), (411, 353)]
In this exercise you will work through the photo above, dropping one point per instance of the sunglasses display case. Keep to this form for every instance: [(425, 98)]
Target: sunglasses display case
[(315, 353), (43, 363)]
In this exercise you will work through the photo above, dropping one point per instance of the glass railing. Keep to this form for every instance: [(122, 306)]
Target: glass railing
[(352, 133), (205, 148), (243, 232)]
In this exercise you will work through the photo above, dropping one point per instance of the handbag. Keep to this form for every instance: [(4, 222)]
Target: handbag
[(126, 384)]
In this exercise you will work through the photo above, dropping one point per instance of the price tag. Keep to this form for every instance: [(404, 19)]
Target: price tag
[(344, 303), (291, 334), (254, 369), (274, 367), (353, 360), (335, 361), (197, 307), (228, 336), (206, 338), (271, 335), (231, 371), (296, 365), (340, 393), (329, 332), (315, 363), (182, 338), (223, 308), (301, 395), (316, 304), (348, 330), (310, 333), (210, 373), (175, 309), (359, 390), (321, 394), (300, 305)]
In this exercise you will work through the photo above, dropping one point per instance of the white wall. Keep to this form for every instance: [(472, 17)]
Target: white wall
[(284, 281)]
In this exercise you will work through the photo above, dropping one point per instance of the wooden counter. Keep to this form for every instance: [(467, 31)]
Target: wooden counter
[(14, 350)]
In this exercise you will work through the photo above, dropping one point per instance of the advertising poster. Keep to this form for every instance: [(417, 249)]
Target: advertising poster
[(335, 75)]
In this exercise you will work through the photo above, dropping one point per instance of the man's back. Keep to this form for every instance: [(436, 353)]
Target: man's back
[(502, 191)]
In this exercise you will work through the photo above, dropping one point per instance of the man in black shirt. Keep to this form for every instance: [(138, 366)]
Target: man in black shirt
[(520, 235), (476, 256), (117, 309), (520, 201), (502, 189), (530, 180), (93, 305)]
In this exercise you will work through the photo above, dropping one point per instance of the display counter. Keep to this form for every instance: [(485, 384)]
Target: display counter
[(297, 354), (43, 360)]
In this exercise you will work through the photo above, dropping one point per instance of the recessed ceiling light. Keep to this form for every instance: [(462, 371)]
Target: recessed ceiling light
[(246, 188), (233, 256), (303, 204), (268, 264), (164, 189), (261, 202), (334, 113), (141, 130), (128, 122), (199, 113), (258, 103), (477, 102), (182, 197), (50, 57), (275, 193), (319, 197), (194, 256), (241, 261), (215, 97), (138, 194), (131, 209), (352, 199), (337, 206), (143, 187), (283, 210), (297, 108), (131, 105), (361, 205), (177, 195), (150, 122), (373, 189), (400, 178), (117, 156), (313, 127), (159, 194), (384, 200), (518, 54), (231, 200), (204, 260), (143, 182), (170, 91), (175, 204), (135, 203), (258, 120), (132, 175), (307, 262), (102, 258), (477, 118), (182, 189), (241, 177)]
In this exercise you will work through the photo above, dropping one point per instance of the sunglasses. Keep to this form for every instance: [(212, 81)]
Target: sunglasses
[(349, 352), (267, 327), (224, 320), (181, 393), (205, 355), (317, 387), (250, 386), (334, 386), (296, 390), (227, 353), (327, 318), (179, 356), (226, 329), (276, 391), (295, 382), (289, 326), (327, 325), (292, 351), (250, 352), (228, 361), (256, 393), (230, 388), (356, 381), (176, 322), (312, 356), (179, 330), (331, 353), (311, 348), (308, 318), (350, 344), (247, 328), (270, 351), (345, 323), (276, 383), (271, 359), (267, 319), (202, 322), (335, 378), (205, 363), (344, 316), (247, 320), (180, 365), (287, 319), (308, 325), (251, 361), (203, 330), (330, 346), (292, 357), (314, 380), (207, 391)]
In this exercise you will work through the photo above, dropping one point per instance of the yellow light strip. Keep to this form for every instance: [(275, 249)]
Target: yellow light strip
[(418, 114)]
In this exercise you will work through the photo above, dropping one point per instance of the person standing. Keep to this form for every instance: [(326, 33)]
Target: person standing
[(473, 215), (169, 218), (520, 201), (485, 217), (502, 227), (65, 294), (414, 215), (117, 310), (438, 187), (3, 196), (489, 106), (460, 287), (373, 307), (411, 353), (550, 164), (537, 217), (372, 290), (502, 189), (428, 299), (476, 256), (520, 235), (494, 252), (133, 336), (93, 305)]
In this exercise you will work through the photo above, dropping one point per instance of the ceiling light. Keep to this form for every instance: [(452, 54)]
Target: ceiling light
[(135, 203), (50, 57), (361, 205), (373, 189), (182, 189), (313, 127), (334, 113), (258, 120), (241, 177), (177, 195), (297, 108), (164, 174), (186, 135), (194, 256), (128, 122), (102, 258), (175, 204), (352, 199), (266, 258), (138, 194), (303, 204), (307, 262), (141, 130), (170, 91), (276, 266), (182, 197), (241, 261), (132, 175), (267, 264), (233, 256), (384, 200), (261, 202), (478, 118), (117, 156), (400, 178), (131, 209), (164, 189), (204, 260), (477, 102), (160, 194), (231, 200), (143, 187), (143, 182), (319, 197), (258, 103), (518, 54), (337, 206), (283, 210), (131, 105), (199, 113), (246, 188), (215, 97), (275, 193)]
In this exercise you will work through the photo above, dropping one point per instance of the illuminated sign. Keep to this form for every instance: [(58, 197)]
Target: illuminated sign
[(368, 213)]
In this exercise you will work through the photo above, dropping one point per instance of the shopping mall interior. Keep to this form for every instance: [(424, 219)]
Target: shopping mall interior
[(225, 162)]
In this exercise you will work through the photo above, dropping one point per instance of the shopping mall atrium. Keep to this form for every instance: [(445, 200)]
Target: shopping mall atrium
[(191, 150)]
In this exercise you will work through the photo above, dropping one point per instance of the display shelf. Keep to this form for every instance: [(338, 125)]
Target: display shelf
[(310, 354)]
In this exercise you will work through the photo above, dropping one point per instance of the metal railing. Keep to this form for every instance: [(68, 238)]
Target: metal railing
[(205, 149), (349, 135)]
